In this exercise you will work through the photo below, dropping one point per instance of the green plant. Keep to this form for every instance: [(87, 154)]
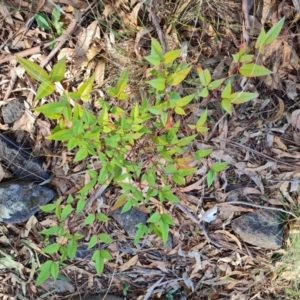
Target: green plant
[(142, 151), (51, 24)]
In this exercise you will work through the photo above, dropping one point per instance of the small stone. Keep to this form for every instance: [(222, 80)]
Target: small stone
[(262, 228), (20, 161), (83, 252), (19, 200), (129, 219), (13, 111), (60, 286)]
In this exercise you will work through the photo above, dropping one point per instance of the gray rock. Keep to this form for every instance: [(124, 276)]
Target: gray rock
[(20, 160), (129, 219), (262, 228), (19, 200), (83, 252), (60, 286), (13, 111)]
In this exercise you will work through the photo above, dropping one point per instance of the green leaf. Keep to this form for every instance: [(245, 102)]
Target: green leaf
[(226, 104), (45, 272), (80, 205), (164, 231), (246, 58), (186, 140), (122, 82), (215, 84), (66, 212), (85, 88), (81, 154), (202, 153), (154, 218), (227, 91), (48, 208), (156, 47), (218, 167), (59, 70), (142, 230), (33, 70), (50, 231), (62, 135), (102, 217), (167, 219), (170, 56), (260, 42), (210, 177), (42, 21), (54, 270), (89, 219), (205, 77), (52, 110), (72, 247), (201, 122), (93, 241), (253, 70), (180, 111), (105, 238), (204, 93), (185, 100), (154, 59), (273, 33), (177, 77), (53, 248), (242, 97), (159, 83), (171, 197), (46, 88)]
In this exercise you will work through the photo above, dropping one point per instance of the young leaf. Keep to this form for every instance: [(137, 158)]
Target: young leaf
[(159, 83), (105, 238), (253, 70), (156, 47), (177, 77), (215, 84), (218, 167), (202, 119), (227, 91), (45, 272), (260, 42), (184, 141), (153, 59), (242, 97), (85, 88), (185, 100), (205, 77), (81, 154), (89, 219), (204, 93), (33, 69), (154, 218), (179, 111), (164, 228), (226, 105), (122, 82), (246, 58), (142, 230), (273, 33), (58, 71), (53, 248), (210, 177), (202, 153), (42, 21), (170, 56)]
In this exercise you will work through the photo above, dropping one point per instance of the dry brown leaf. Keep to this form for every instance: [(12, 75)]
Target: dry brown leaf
[(233, 237), (131, 262)]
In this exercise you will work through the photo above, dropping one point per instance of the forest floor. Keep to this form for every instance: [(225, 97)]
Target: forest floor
[(260, 140)]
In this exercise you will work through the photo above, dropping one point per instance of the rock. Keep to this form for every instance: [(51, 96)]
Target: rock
[(20, 160), (19, 200), (60, 286), (262, 228), (13, 111), (83, 252), (129, 219)]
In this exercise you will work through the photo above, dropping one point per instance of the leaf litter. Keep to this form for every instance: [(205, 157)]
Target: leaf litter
[(262, 153)]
